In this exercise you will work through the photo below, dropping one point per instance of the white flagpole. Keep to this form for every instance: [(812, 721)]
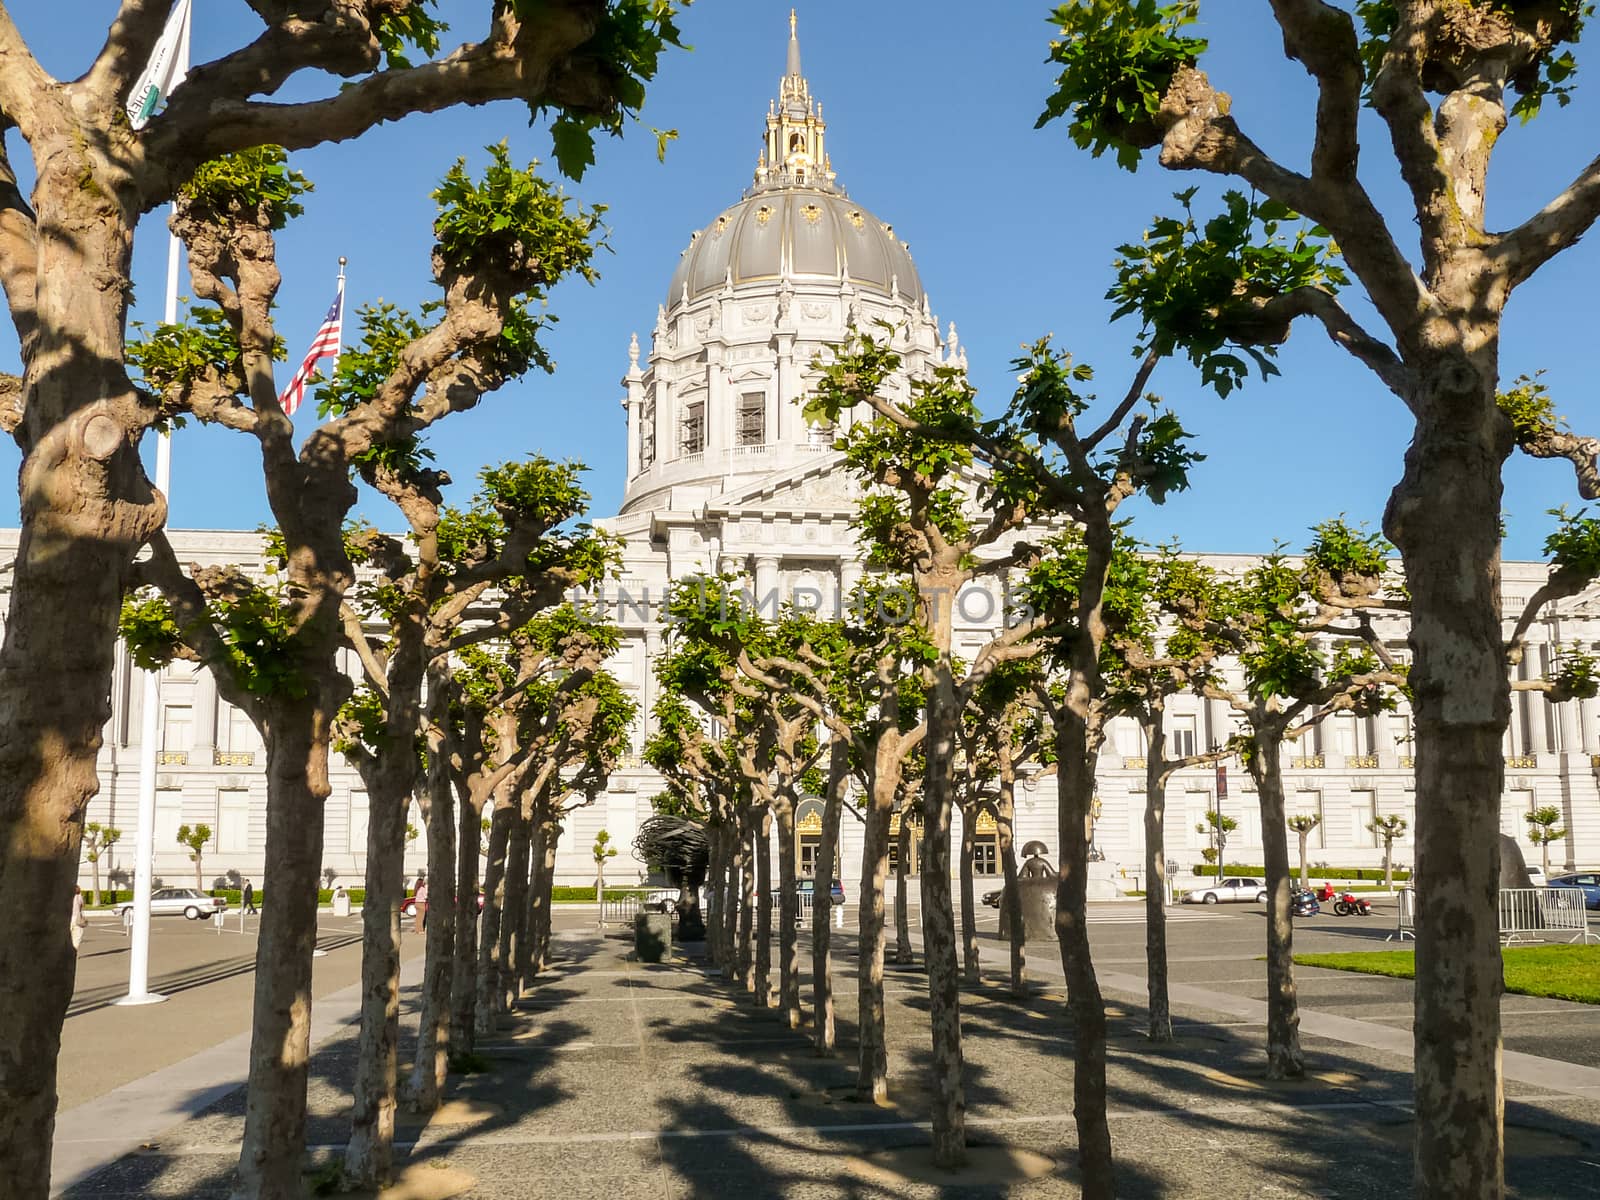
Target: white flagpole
[(150, 723)]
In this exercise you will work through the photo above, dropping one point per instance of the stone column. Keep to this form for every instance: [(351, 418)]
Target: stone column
[(205, 717), (647, 683), (1534, 741), (719, 433), (783, 413), (767, 584)]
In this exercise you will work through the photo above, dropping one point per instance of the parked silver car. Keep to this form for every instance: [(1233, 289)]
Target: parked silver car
[(1235, 889), (173, 902)]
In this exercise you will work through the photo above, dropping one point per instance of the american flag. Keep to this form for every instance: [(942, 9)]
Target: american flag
[(324, 345)]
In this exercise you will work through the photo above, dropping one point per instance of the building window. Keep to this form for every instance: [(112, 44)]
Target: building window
[(752, 422), (177, 727), (169, 815), (1364, 813), (233, 821), (694, 427), (985, 855), (358, 822), (647, 435), (1183, 737), (809, 846)]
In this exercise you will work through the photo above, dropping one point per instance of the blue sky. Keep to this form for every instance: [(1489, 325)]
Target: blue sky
[(931, 109)]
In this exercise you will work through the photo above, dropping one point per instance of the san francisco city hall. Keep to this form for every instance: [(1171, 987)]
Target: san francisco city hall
[(724, 474)]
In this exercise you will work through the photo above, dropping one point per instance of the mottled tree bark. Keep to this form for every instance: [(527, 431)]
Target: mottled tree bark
[(1155, 877), (1444, 517), (487, 976), (822, 1031), (788, 915), (872, 1077), (747, 905), (970, 965), (763, 963), (938, 916), (426, 1087), (280, 1036), (514, 909), (546, 836), (469, 923), (1087, 1006), (368, 1158), (902, 920), (1285, 1060), (85, 511), (1005, 814)]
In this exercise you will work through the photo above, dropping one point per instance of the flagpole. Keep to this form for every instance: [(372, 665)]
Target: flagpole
[(150, 718)]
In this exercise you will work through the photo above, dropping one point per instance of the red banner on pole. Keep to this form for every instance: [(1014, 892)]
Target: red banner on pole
[(1222, 782)]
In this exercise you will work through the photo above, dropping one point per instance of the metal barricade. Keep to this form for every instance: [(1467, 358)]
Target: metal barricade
[(621, 910), (1406, 922), (1543, 912)]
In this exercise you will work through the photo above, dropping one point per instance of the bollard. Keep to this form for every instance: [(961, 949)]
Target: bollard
[(838, 916), (217, 918)]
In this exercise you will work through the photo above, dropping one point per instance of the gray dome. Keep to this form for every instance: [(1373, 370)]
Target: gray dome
[(799, 233)]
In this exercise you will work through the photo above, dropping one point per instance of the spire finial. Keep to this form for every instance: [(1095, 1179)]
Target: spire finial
[(794, 45)]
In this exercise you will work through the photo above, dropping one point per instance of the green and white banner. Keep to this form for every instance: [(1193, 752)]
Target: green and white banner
[(168, 65)]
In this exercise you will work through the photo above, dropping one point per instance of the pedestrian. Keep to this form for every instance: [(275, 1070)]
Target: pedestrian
[(249, 899), (419, 919), (79, 921)]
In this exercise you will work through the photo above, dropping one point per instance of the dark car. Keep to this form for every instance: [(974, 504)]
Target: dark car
[(1587, 881), (992, 899), (806, 888)]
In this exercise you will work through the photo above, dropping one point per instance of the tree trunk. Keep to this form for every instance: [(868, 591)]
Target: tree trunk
[(469, 923), (788, 917), (939, 919), (1445, 518), (428, 1071), (94, 867), (1305, 878), (872, 1077), (902, 920), (1005, 818), (747, 904), (513, 909), (970, 967), (1076, 783), (552, 845), (1285, 1059), (494, 899), (199, 875), (1155, 878), (822, 906), (369, 1156), (280, 1038), (763, 963), (716, 897), (83, 519), (1388, 869)]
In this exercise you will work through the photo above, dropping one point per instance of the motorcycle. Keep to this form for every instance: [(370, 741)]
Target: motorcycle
[(1351, 905), (1304, 904)]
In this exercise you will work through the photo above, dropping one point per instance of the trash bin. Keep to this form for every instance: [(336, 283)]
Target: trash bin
[(341, 902), (652, 936)]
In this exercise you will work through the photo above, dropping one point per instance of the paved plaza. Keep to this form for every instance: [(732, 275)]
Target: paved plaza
[(622, 1080)]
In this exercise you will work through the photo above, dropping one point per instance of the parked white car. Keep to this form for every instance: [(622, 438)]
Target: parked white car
[(1236, 889), (174, 902)]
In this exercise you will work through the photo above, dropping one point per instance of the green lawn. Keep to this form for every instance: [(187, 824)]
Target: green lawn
[(1559, 972)]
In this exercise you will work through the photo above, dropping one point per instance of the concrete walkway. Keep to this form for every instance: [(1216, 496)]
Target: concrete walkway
[(94, 1135), (622, 1081)]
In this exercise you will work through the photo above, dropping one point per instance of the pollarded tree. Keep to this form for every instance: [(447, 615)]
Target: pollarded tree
[(1150, 659), (1544, 827), (1275, 617), (1303, 824), (86, 504), (406, 612), (1441, 75), (1036, 466), (97, 839), (194, 839), (1389, 829), (501, 243)]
